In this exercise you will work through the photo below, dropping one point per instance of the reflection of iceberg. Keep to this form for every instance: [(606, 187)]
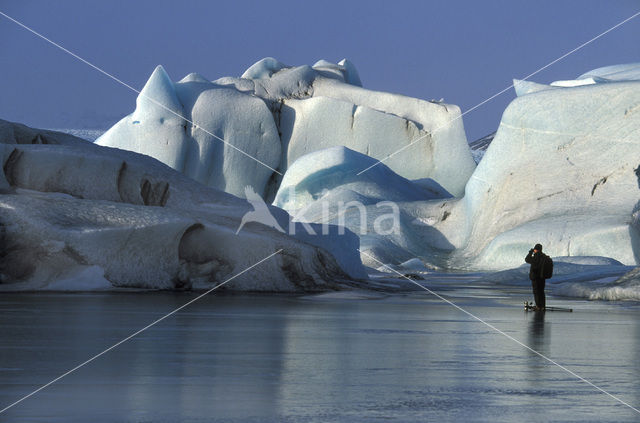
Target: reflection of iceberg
[(73, 211)]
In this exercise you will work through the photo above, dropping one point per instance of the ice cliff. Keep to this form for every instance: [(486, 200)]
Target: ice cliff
[(276, 114), (75, 215)]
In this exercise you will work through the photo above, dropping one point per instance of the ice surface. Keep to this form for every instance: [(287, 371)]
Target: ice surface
[(339, 358), (71, 205), (588, 260)]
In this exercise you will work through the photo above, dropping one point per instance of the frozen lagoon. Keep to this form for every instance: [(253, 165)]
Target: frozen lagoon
[(335, 357)]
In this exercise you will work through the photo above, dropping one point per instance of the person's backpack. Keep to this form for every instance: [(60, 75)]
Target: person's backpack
[(547, 267)]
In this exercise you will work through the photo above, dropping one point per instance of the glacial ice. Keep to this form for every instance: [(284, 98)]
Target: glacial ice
[(593, 278), (560, 171), (576, 269), (324, 187), (563, 169), (626, 287), (264, 68), (351, 75), (71, 209), (195, 148), (442, 152), (624, 72), (324, 172), (607, 74), (276, 113)]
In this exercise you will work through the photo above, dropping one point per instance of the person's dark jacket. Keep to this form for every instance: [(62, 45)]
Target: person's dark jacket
[(535, 259)]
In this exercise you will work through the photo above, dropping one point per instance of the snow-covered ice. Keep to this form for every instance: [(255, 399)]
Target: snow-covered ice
[(69, 205)]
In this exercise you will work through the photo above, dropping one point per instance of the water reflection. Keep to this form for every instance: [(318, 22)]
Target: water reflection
[(277, 358), (536, 332)]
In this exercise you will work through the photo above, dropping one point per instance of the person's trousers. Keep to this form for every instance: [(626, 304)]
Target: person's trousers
[(538, 292)]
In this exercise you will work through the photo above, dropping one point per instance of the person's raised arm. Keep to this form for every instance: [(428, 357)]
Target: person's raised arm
[(529, 257)]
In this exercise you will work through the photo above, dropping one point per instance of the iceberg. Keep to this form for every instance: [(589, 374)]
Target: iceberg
[(562, 171), (382, 207), (607, 74), (575, 269), (74, 215), (594, 278), (325, 172), (624, 72), (626, 287), (216, 144), (248, 130)]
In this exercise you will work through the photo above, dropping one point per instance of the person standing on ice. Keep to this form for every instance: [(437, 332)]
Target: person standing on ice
[(536, 274)]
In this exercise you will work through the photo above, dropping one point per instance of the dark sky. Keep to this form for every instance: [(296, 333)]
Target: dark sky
[(463, 51)]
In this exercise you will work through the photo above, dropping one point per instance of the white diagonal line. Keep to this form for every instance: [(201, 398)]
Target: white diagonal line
[(586, 43), (135, 90), (139, 332), (468, 313)]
